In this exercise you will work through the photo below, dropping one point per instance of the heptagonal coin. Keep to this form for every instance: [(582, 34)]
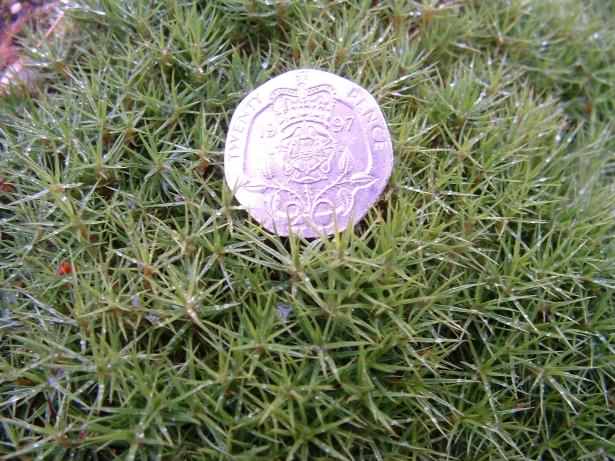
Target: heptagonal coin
[(308, 152)]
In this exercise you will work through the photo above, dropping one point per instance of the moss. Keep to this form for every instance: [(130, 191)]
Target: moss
[(469, 316)]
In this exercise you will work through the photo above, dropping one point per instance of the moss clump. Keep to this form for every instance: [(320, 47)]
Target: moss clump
[(469, 316)]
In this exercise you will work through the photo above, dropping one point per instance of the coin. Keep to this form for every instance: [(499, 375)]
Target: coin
[(308, 152)]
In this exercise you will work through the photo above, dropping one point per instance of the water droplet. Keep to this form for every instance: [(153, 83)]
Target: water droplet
[(284, 310), (135, 301), (153, 318), (481, 97)]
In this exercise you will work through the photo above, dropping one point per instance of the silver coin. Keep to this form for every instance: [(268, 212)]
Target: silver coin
[(308, 152)]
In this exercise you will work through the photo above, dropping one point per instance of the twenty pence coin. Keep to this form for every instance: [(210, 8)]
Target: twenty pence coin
[(308, 152)]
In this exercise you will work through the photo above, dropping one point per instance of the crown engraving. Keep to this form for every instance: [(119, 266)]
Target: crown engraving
[(292, 106)]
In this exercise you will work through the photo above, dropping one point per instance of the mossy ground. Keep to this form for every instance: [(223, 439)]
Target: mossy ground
[(470, 316)]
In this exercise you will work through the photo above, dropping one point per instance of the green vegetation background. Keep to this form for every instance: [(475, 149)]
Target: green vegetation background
[(470, 316)]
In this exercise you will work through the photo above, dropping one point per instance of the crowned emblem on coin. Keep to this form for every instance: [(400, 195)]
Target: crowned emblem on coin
[(307, 146), (301, 153)]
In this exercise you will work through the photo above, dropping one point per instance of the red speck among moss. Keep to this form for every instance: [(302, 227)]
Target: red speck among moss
[(65, 268)]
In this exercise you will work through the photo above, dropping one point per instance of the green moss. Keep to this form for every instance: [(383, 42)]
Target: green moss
[(469, 316)]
